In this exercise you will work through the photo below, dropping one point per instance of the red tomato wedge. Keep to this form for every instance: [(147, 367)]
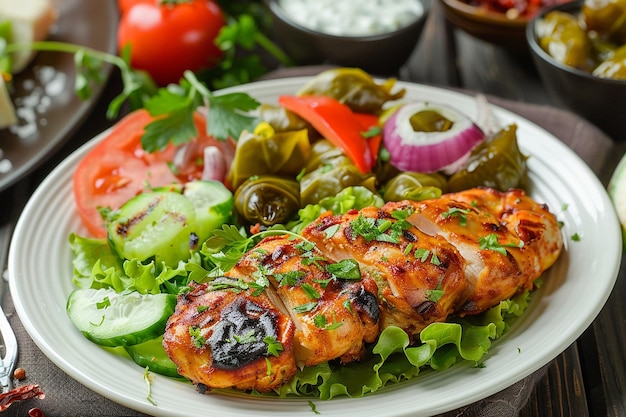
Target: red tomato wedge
[(118, 168), (337, 123)]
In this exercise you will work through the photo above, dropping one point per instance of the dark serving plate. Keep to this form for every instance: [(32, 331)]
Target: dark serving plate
[(47, 107)]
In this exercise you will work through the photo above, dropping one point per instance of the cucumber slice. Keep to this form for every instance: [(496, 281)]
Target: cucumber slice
[(213, 203), (154, 225), (151, 354), (109, 318)]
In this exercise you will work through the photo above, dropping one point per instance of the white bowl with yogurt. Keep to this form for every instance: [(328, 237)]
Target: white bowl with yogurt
[(375, 35)]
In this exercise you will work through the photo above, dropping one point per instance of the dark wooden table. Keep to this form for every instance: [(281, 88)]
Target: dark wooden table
[(589, 378)]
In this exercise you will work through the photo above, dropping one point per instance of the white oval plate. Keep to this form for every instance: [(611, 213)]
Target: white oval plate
[(574, 291)]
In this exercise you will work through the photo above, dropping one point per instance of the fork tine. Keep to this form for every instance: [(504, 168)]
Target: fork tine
[(10, 356)]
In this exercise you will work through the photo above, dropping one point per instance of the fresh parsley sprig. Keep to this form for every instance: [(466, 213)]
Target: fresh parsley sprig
[(490, 242)]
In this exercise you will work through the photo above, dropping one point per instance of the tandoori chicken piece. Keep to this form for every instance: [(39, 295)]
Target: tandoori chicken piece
[(420, 277), (222, 335), (334, 309), (507, 240)]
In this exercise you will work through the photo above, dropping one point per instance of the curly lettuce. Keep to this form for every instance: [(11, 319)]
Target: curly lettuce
[(392, 359)]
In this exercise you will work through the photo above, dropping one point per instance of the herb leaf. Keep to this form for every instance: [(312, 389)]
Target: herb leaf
[(490, 242), (274, 347), (345, 269), (227, 114)]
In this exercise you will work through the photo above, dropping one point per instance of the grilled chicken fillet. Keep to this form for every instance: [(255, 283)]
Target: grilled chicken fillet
[(506, 238), (333, 317), (222, 336), (324, 296), (420, 277)]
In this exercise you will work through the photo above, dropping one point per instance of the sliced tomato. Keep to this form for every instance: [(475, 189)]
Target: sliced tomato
[(118, 168)]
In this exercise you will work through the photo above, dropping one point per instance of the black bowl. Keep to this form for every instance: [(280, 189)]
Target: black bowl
[(379, 54), (601, 101)]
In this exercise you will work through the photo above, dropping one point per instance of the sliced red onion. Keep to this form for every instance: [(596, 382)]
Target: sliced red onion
[(426, 152)]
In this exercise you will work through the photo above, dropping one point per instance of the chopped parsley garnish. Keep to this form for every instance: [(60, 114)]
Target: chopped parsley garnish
[(381, 230), (490, 242), (321, 323), (457, 212), (305, 308), (274, 347), (345, 269), (310, 291), (434, 295), (330, 232), (196, 336), (423, 255), (230, 284), (246, 338), (289, 278)]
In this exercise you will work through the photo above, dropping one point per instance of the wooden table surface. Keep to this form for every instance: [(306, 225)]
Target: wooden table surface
[(589, 378)]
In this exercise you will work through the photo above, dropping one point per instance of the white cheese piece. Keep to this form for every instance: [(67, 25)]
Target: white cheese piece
[(7, 111), (31, 21)]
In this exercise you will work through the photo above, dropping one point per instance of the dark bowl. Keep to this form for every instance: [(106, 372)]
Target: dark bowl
[(601, 101), (379, 54), (489, 26)]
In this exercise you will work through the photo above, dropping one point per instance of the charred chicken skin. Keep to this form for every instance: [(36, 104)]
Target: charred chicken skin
[(299, 302), (222, 335)]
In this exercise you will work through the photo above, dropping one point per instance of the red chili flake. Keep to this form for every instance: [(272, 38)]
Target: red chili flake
[(35, 412), (24, 392)]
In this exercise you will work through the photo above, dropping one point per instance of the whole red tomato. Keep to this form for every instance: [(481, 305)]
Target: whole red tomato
[(167, 37)]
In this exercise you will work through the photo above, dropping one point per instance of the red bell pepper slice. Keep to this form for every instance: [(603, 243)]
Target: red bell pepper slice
[(337, 123)]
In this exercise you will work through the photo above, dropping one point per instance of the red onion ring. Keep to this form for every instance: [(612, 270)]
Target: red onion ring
[(426, 152)]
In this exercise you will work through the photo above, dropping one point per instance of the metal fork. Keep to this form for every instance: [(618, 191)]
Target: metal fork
[(9, 351)]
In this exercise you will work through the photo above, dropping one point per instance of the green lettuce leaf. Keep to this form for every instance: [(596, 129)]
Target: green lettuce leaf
[(392, 359)]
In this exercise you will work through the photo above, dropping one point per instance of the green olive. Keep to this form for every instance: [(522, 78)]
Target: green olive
[(613, 67), (607, 18), (561, 36)]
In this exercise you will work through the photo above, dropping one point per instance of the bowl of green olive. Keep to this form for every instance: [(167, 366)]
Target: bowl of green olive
[(579, 50)]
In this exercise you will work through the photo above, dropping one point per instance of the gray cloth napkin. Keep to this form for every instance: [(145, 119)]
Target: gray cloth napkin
[(67, 397)]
